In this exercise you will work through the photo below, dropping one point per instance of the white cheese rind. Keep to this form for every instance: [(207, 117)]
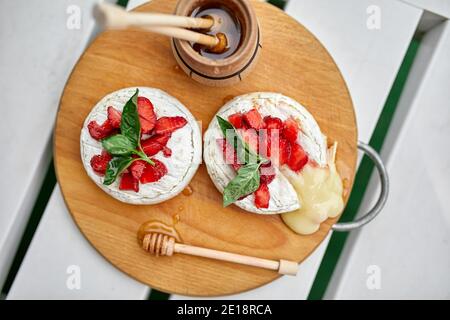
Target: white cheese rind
[(283, 197), (186, 145)]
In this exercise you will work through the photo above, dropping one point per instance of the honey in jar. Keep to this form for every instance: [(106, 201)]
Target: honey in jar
[(224, 22)]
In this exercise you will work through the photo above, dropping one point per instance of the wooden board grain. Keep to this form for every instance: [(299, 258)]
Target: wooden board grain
[(292, 62)]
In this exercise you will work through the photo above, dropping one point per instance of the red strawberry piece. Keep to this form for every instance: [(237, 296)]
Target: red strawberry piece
[(290, 130), (162, 138), (266, 164), (114, 117), (285, 151), (99, 132), (137, 168), (160, 168), (267, 138), (266, 173), (250, 137), (167, 152), (262, 196), (165, 125), (298, 157), (273, 123), (264, 143), (147, 115), (153, 173), (151, 147), (280, 152), (99, 163), (128, 182), (229, 153), (106, 155), (236, 120), (253, 119), (154, 144)]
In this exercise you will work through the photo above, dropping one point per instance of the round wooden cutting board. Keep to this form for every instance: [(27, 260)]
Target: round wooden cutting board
[(292, 62)]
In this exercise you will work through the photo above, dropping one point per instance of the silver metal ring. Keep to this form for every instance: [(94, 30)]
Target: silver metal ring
[(384, 180)]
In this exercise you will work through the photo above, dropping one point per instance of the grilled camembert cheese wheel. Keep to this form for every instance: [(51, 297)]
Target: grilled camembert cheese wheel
[(300, 148), (170, 137)]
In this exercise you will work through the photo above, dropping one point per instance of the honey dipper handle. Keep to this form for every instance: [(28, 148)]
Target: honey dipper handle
[(184, 34), (282, 266), (114, 16)]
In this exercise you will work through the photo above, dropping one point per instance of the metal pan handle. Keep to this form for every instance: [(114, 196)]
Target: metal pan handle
[(384, 180)]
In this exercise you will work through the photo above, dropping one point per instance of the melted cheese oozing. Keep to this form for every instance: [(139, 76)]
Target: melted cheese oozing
[(319, 191)]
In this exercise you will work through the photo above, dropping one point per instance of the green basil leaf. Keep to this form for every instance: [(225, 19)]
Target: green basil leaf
[(130, 125), (230, 134), (245, 182), (224, 125), (118, 145), (243, 151), (115, 167)]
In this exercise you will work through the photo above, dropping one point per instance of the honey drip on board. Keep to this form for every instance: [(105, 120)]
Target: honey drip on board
[(175, 219), (155, 226), (188, 191)]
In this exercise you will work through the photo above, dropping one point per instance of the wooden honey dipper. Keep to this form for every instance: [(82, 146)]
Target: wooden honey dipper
[(113, 16), (160, 244)]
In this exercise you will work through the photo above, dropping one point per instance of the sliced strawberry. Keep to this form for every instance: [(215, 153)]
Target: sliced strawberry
[(114, 117), (167, 152), (285, 150), (263, 143), (267, 139), (298, 157), (266, 164), (236, 120), (273, 123), (229, 153), (253, 119), (266, 173), (147, 115), (160, 167), (161, 138), (106, 155), (270, 135), (154, 144), (262, 196), (165, 125), (153, 173), (278, 148), (99, 163), (128, 182), (290, 130), (151, 147), (99, 132), (137, 168)]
